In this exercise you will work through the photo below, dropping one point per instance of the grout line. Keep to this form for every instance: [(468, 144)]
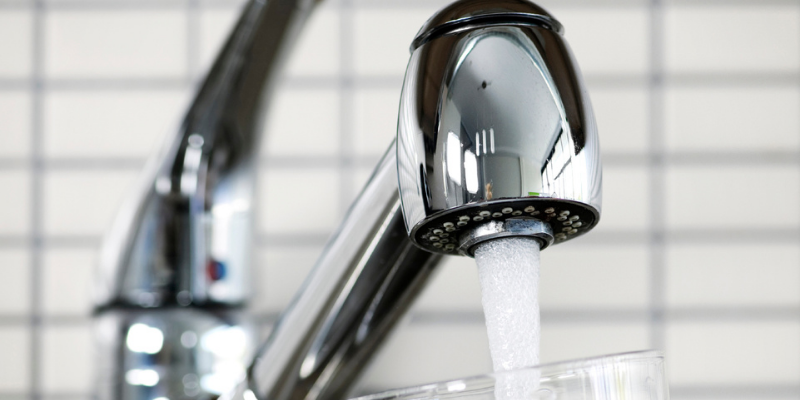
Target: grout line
[(578, 315), (393, 82), (283, 162), (763, 235), (37, 200), (346, 106), (657, 175), (192, 40)]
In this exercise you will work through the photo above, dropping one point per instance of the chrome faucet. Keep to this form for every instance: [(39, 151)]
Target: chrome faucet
[(496, 138)]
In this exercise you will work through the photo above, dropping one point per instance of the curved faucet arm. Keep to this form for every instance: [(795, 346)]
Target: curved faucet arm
[(366, 278), (183, 239)]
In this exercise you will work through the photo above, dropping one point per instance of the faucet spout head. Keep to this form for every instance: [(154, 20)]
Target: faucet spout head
[(496, 131)]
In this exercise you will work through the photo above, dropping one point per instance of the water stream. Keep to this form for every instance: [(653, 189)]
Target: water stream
[(508, 269)]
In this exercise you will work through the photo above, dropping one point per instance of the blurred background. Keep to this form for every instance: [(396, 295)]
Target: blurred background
[(697, 252)]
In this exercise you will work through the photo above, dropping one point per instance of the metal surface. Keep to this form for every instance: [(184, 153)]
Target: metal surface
[(541, 137), (171, 353), (176, 245), (184, 239), (178, 254), (515, 227), (495, 122), (367, 277)]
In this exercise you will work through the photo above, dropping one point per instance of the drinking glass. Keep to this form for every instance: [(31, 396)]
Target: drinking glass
[(626, 376)]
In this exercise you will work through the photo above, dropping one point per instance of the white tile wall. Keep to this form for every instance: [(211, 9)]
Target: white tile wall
[(705, 197), (426, 353), (15, 213), (376, 121), (607, 39), (280, 274), (313, 206), (733, 353), (570, 276), (626, 202), (66, 361), (67, 282), (456, 288), (113, 123), (379, 53), (15, 285), (83, 202), (567, 341), (16, 28), (15, 365), (719, 119), (318, 49), (747, 38), (697, 104), (623, 113), (746, 275), (106, 44), (290, 131), (15, 123)]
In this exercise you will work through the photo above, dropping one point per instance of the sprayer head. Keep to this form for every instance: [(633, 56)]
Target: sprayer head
[(496, 136)]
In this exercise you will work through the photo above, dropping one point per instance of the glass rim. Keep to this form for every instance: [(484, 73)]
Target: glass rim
[(585, 362)]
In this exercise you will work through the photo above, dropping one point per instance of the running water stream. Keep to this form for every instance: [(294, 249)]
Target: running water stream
[(508, 269)]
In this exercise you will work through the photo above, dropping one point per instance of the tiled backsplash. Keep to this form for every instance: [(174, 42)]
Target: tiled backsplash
[(697, 253)]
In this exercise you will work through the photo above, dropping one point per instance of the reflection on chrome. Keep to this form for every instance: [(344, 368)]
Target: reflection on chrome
[(495, 138), (142, 377), (144, 339)]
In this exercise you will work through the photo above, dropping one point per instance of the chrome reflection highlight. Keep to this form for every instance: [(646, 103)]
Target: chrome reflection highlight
[(174, 353), (495, 120), (144, 339)]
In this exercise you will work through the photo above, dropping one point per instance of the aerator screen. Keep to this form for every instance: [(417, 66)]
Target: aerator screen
[(441, 232)]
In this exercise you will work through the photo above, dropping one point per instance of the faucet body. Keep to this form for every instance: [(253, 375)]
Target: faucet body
[(496, 138), (173, 279)]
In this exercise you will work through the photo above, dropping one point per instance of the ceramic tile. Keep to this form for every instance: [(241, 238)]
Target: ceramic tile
[(16, 43), (318, 50), (110, 43), (454, 288), (66, 364), (711, 197), (733, 353), (738, 119), (622, 119), (15, 123), (625, 199), (110, 123), (734, 275), (375, 124), (15, 285), (15, 368), (421, 353), (299, 201), (571, 276), (382, 38), (718, 38), (303, 122), (606, 40), (68, 282), (567, 341), (281, 272), (84, 202), (15, 214)]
